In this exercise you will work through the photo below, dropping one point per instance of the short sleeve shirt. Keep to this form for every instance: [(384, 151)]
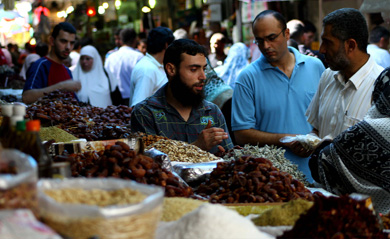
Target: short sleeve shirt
[(45, 72)]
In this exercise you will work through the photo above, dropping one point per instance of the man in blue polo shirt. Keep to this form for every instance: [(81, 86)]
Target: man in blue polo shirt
[(178, 110), (272, 94), (48, 73)]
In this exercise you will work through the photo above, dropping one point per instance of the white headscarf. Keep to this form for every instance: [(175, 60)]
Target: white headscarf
[(94, 84), (30, 58)]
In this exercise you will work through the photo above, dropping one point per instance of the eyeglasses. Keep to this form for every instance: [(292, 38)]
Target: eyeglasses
[(270, 38)]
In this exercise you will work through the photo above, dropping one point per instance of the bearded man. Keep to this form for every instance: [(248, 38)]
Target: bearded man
[(344, 93), (48, 73), (178, 110)]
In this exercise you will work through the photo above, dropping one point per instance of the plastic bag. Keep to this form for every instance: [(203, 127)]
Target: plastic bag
[(18, 178), (117, 221), (308, 141)]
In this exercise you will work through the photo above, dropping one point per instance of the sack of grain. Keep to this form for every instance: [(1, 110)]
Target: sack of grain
[(108, 208)]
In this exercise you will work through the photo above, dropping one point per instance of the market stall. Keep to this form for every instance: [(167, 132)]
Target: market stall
[(124, 184)]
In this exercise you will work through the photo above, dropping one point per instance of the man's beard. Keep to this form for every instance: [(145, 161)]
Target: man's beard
[(340, 61), (185, 94)]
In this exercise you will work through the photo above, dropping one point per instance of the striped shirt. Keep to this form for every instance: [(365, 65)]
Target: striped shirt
[(155, 116), (337, 104)]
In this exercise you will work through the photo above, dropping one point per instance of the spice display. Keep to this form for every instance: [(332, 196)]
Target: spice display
[(336, 217), (97, 197), (182, 152), (283, 215), (251, 180), (81, 120), (56, 134), (121, 162), (211, 221), (272, 153), (174, 207)]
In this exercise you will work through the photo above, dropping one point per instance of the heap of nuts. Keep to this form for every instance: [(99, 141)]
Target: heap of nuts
[(121, 162), (182, 152), (151, 139), (338, 218), (79, 119), (251, 180)]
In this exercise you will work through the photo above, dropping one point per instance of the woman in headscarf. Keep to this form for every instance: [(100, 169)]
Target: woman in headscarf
[(236, 60), (358, 160), (96, 83)]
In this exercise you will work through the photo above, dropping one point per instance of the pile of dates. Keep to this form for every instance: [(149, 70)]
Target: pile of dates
[(337, 218), (251, 180), (121, 162), (60, 108)]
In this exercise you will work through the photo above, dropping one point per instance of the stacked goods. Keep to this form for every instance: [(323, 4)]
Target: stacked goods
[(273, 154), (337, 217), (121, 162), (182, 152), (251, 180), (103, 208), (83, 121)]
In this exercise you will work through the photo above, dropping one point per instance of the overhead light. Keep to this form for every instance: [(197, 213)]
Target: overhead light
[(101, 10), (118, 4), (105, 5), (69, 9), (152, 3), (145, 9), (62, 14)]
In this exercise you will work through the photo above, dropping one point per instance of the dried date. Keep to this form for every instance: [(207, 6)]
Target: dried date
[(122, 162), (251, 180)]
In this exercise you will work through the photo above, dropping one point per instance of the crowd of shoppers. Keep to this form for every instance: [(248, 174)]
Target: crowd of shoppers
[(218, 97)]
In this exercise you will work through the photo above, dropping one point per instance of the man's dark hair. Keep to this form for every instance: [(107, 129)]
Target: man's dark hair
[(278, 16), (348, 23), (85, 41), (118, 32), (65, 26), (158, 38), (174, 52), (128, 36), (42, 49), (309, 27), (377, 33), (77, 43)]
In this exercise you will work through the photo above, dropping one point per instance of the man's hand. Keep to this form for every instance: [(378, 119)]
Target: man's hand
[(298, 149), (210, 137), (70, 85)]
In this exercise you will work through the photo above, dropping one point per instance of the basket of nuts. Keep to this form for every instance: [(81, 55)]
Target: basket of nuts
[(107, 208)]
